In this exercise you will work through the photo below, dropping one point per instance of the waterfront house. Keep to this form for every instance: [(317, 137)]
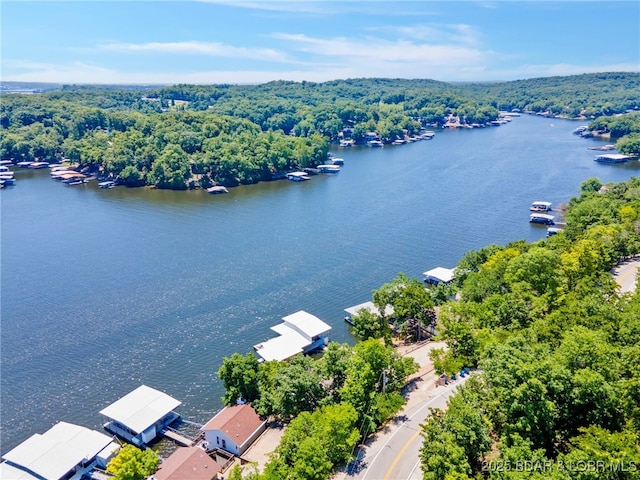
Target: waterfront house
[(141, 415), (191, 463), (439, 275), (234, 429), (370, 306), (300, 332), (64, 451)]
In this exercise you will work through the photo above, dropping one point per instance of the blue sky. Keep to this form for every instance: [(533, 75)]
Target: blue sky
[(217, 41)]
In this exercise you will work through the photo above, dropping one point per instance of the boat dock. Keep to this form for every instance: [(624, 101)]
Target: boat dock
[(180, 439)]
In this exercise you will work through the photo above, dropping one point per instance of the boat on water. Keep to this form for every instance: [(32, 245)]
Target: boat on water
[(551, 231), (217, 189), (346, 143), (542, 218), (603, 148), (328, 168), (337, 161), (107, 184), (375, 143), (539, 206), (398, 142), (6, 162), (24, 164)]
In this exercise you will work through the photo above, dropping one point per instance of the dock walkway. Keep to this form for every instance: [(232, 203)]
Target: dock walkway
[(176, 437)]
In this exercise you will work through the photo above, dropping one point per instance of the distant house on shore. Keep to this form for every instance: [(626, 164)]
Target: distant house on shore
[(234, 429), (140, 416), (64, 451), (191, 463)]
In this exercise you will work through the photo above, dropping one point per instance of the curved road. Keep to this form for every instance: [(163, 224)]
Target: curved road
[(625, 275), (393, 454)]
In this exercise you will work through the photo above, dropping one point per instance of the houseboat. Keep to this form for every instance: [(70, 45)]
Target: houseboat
[(540, 206), (542, 218), (107, 184), (24, 164), (337, 161), (328, 168), (375, 143), (551, 231), (300, 332), (298, 176), (346, 143)]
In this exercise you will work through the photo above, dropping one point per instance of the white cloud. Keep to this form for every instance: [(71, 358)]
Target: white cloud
[(396, 51), (299, 6), (453, 33), (216, 49)]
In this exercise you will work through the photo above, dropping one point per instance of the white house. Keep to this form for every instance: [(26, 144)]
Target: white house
[(300, 332), (61, 452), (234, 429), (139, 416)]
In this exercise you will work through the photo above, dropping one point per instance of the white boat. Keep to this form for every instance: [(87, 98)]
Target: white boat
[(612, 158), (538, 206), (24, 164), (328, 168), (346, 143), (542, 218), (375, 143), (217, 189), (107, 184), (6, 162), (551, 231), (337, 161)]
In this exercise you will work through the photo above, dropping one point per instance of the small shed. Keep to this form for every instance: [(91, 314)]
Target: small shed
[(191, 463), (234, 429), (139, 416), (59, 453), (439, 275)]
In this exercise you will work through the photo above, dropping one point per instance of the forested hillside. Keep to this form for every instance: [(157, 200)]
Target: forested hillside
[(558, 349), (194, 136)]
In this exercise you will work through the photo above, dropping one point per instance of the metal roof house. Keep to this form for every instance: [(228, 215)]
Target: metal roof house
[(140, 416), (301, 332), (64, 451), (234, 429), (439, 275)]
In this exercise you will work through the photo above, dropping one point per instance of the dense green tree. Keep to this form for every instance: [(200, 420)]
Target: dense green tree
[(131, 463), (240, 377)]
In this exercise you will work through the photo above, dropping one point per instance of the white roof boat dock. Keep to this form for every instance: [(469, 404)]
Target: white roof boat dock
[(139, 416), (64, 451), (297, 176), (539, 206), (301, 332), (612, 158), (439, 275), (542, 218), (370, 306), (328, 168)]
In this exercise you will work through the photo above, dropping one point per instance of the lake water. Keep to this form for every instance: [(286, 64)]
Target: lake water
[(104, 290)]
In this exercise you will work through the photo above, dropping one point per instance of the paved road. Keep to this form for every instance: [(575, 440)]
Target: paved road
[(393, 454), (625, 275)]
